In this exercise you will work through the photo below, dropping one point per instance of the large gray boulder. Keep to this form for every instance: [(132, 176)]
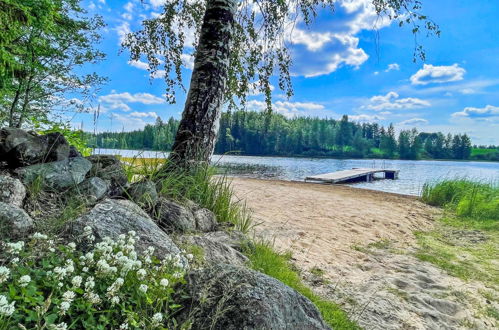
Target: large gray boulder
[(174, 217), (110, 169), (91, 189), (12, 191), (143, 193), (234, 298), (56, 175), (21, 148), (14, 222), (57, 147), (215, 252), (112, 217)]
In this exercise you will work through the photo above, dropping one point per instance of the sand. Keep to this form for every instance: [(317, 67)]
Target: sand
[(362, 243)]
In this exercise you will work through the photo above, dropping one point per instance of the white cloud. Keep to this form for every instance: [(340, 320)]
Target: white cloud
[(144, 114), (123, 30), (363, 118), (393, 67), (127, 16), (129, 6), (139, 65), (187, 61), (119, 101), (489, 113), (127, 123), (291, 109), (157, 3), (414, 122), (92, 6), (102, 1), (438, 74), (391, 101)]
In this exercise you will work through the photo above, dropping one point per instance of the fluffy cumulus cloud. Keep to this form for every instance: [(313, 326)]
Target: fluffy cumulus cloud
[(392, 101), (489, 113), (332, 43), (393, 67), (363, 118), (151, 114), (414, 122), (119, 101), (291, 109), (431, 74)]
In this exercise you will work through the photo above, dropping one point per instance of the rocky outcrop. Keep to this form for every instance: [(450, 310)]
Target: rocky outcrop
[(92, 189), (143, 193), (114, 217), (56, 175), (21, 148), (179, 218), (14, 222), (12, 191), (110, 169), (232, 298), (57, 147)]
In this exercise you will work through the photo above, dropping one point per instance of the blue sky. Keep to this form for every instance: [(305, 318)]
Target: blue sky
[(340, 66)]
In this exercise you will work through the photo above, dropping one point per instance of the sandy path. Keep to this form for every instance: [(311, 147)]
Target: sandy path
[(362, 241)]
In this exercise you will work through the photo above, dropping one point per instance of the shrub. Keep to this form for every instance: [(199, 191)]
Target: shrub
[(46, 285)]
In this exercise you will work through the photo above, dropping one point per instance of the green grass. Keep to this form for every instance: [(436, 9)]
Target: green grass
[(264, 259), (482, 151), (467, 198)]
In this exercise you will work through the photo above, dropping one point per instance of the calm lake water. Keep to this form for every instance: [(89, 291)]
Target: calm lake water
[(413, 174)]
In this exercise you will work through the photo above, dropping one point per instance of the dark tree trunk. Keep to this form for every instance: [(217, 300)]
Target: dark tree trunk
[(195, 139)]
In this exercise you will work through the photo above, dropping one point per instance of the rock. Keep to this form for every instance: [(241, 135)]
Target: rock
[(93, 189), (56, 175), (73, 152), (112, 217), (174, 217), (232, 298), (234, 239), (14, 222), (205, 220), (12, 191), (215, 252), (57, 147), (143, 193), (109, 168), (21, 148)]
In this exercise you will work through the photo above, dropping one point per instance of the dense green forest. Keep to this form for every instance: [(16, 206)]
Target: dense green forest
[(254, 133)]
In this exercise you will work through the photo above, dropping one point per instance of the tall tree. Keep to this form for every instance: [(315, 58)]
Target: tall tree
[(240, 46), (45, 48)]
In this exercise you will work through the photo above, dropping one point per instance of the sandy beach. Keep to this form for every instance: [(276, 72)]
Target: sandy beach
[(361, 243)]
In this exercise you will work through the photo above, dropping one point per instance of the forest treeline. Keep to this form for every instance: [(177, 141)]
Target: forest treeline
[(255, 133)]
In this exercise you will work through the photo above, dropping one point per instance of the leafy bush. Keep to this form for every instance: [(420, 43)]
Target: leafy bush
[(45, 285), (74, 137), (466, 197)]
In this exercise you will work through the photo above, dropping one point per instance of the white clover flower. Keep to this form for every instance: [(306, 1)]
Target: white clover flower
[(60, 272), (84, 269), (4, 274), (189, 256), (71, 246), (124, 326), (15, 248), (92, 297), (113, 288), (115, 300), (39, 236), (150, 250), (89, 284), (64, 307), (143, 288), (177, 275), (60, 326), (60, 284), (24, 281), (132, 233), (68, 296), (76, 281), (157, 318), (14, 260), (164, 282), (141, 273), (69, 266), (51, 249), (147, 260), (6, 309)]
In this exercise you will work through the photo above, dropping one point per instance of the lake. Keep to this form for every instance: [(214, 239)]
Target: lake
[(413, 173)]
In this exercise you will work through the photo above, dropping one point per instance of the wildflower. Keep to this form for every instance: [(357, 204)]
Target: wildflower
[(89, 284), (76, 281), (6, 309), (60, 284), (72, 246), (150, 250), (60, 272), (164, 282), (177, 275), (60, 326), (92, 297), (4, 274), (39, 236), (85, 269), (24, 281), (15, 260), (68, 296), (147, 260), (111, 290), (143, 288), (157, 318), (64, 307), (141, 274), (15, 248), (69, 266), (124, 326), (115, 300), (189, 256)]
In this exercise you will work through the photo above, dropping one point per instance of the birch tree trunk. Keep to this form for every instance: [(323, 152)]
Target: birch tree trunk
[(195, 139)]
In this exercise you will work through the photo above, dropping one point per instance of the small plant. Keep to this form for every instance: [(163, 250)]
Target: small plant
[(45, 285)]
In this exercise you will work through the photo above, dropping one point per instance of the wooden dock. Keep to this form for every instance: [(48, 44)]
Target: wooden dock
[(353, 175)]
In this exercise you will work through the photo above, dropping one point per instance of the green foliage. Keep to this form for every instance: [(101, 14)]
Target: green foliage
[(46, 285), (76, 138), (469, 199), (490, 154), (264, 259), (44, 44)]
